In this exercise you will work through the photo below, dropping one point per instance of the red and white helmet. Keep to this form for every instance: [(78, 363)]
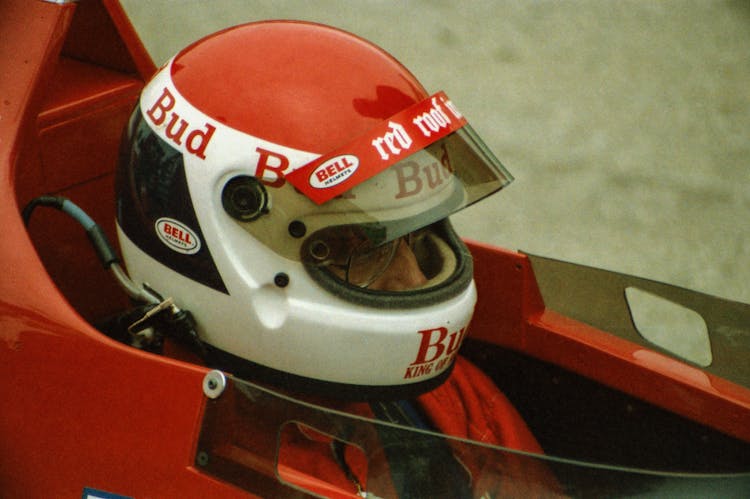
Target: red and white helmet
[(271, 176)]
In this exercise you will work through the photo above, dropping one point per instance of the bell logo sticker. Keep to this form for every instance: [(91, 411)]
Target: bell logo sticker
[(334, 171), (177, 236)]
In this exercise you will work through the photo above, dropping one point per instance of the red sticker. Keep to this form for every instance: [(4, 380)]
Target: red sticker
[(394, 139)]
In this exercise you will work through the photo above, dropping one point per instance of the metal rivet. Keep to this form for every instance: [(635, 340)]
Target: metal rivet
[(297, 229), (202, 458), (281, 279), (214, 383)]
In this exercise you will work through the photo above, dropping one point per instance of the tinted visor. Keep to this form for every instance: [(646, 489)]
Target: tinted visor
[(394, 206), (432, 184), (427, 186), (422, 188)]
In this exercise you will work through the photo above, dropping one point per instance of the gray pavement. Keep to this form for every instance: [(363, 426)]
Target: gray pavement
[(626, 124)]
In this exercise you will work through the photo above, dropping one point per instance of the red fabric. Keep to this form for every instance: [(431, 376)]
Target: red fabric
[(468, 405), (305, 459)]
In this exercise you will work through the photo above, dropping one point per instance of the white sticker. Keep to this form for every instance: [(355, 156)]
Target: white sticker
[(334, 171), (177, 236)]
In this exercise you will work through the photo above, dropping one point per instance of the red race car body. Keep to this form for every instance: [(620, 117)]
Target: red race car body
[(86, 416)]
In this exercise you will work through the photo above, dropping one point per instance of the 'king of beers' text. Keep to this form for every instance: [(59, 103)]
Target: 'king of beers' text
[(437, 349)]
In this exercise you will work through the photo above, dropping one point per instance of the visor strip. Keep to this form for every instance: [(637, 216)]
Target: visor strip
[(401, 135)]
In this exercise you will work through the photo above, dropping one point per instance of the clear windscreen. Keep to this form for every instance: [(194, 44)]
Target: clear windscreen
[(275, 446)]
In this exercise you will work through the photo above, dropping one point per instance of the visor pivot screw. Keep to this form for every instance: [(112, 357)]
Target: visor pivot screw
[(244, 198), (297, 229), (319, 250), (214, 383), (281, 279)]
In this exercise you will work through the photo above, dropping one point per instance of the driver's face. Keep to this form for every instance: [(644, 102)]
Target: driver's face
[(391, 267), (349, 255), (403, 273)]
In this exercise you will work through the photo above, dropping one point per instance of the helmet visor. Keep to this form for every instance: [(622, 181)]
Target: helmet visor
[(392, 210), (427, 186), (413, 191)]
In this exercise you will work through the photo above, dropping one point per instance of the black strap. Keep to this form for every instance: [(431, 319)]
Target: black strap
[(422, 465)]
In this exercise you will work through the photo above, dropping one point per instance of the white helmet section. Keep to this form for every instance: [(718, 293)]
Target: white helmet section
[(299, 327), (201, 137)]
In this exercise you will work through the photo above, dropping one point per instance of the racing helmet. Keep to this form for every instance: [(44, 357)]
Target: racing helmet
[(271, 176)]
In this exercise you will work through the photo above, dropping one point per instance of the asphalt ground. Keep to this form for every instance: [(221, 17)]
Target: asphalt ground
[(626, 124)]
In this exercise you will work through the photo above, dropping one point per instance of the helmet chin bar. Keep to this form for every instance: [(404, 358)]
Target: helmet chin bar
[(245, 369)]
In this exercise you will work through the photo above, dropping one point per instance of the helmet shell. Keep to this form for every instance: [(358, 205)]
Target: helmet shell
[(259, 100), (306, 86)]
